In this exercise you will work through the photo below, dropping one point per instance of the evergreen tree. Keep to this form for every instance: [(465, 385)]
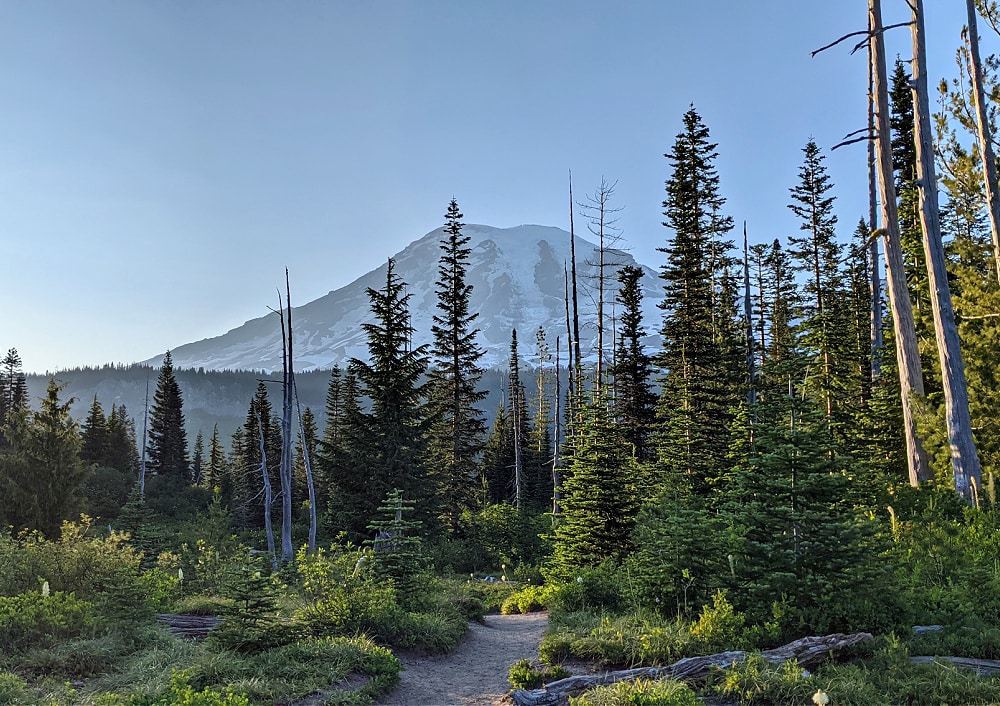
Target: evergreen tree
[(635, 402), (824, 315), (167, 450), (13, 389), (122, 451), (396, 544), (537, 451), (308, 445), (198, 460), (390, 439), (459, 428), (260, 420), (497, 467), (336, 450), (217, 468), (696, 391), (42, 471), (94, 440), (801, 544), (598, 502), (518, 421)]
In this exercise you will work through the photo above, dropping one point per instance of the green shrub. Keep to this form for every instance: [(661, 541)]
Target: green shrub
[(523, 675), (77, 562), (36, 620), (13, 689), (719, 627), (528, 599), (250, 623), (639, 693)]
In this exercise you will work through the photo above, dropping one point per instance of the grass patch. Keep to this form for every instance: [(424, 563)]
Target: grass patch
[(639, 693)]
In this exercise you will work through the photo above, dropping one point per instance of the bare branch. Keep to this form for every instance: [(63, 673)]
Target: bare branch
[(867, 33), (863, 138)]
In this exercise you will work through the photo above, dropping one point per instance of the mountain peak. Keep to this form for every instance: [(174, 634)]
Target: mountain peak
[(517, 275)]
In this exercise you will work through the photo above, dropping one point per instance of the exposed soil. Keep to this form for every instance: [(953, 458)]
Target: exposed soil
[(475, 674)]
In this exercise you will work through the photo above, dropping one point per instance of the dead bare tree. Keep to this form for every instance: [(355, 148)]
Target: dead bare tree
[(602, 222), (964, 459), (307, 461), (877, 340), (911, 384), (983, 131), (577, 362), (268, 496)]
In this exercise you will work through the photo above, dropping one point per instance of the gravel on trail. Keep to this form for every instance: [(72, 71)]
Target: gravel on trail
[(475, 674)]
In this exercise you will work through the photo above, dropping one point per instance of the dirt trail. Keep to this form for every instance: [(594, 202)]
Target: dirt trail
[(475, 674)]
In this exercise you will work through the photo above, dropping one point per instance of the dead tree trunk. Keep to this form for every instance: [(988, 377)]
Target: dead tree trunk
[(748, 323), (806, 652), (307, 461), (911, 382), (268, 497), (983, 132), (964, 460), (285, 466), (877, 340), (577, 357), (556, 476)]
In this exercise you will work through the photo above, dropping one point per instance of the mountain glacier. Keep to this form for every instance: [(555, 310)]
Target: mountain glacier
[(517, 275)]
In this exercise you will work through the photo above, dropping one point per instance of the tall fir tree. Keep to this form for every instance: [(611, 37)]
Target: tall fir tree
[(13, 389), (42, 472), (390, 438), (824, 315), (168, 449), (198, 459), (459, 427), (597, 499), (696, 385), (94, 435), (497, 465), (217, 468), (635, 401)]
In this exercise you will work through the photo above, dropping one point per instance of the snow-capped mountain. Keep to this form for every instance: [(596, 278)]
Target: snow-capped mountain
[(518, 282)]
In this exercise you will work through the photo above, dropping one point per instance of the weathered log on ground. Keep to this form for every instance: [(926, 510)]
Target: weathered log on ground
[(193, 627), (806, 651), (982, 667)]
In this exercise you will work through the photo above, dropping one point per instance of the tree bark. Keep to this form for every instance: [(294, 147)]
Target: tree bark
[(285, 467), (964, 459), (911, 383), (310, 485), (806, 652), (877, 340), (983, 132)]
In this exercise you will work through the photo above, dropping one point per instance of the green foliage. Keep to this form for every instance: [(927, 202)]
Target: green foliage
[(523, 675), (719, 627), (640, 692), (887, 677), (616, 640), (459, 429), (494, 537), (13, 689), (33, 619), (250, 623), (528, 599), (396, 549), (77, 562), (598, 502), (41, 473)]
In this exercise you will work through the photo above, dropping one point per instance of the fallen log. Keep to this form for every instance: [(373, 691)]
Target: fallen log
[(193, 627), (982, 667), (806, 652)]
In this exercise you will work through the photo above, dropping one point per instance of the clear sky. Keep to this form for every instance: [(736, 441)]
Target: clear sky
[(162, 162)]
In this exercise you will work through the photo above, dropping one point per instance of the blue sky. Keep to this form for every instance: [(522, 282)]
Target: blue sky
[(161, 163)]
